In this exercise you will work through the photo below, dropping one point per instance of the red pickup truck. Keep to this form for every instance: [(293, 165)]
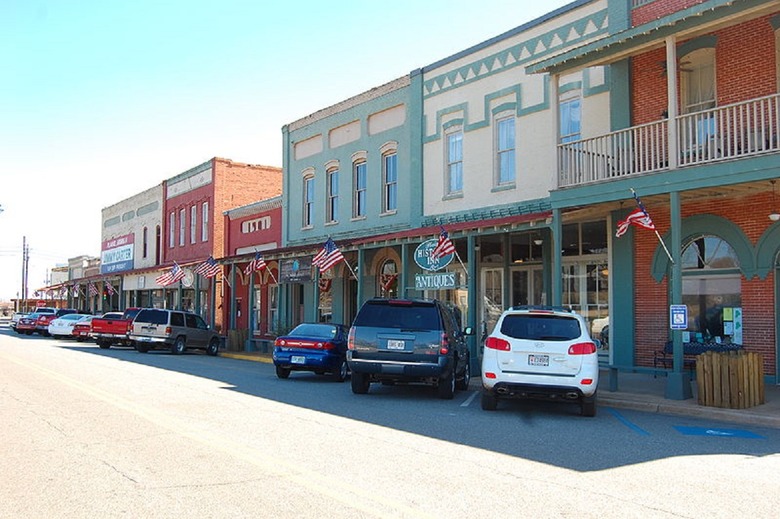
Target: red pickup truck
[(113, 327)]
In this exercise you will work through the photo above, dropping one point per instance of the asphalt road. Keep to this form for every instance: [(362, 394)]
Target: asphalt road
[(115, 433)]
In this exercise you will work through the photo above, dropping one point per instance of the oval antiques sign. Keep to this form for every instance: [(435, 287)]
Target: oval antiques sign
[(423, 256)]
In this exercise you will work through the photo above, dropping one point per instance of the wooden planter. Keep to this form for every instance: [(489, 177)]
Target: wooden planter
[(734, 380)]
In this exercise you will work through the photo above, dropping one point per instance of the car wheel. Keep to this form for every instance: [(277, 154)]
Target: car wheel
[(360, 383), (79, 339), (28, 332), (179, 346), (463, 383), (282, 372), (142, 348), (340, 373), (446, 387), (213, 347), (588, 406), (104, 344), (489, 401)]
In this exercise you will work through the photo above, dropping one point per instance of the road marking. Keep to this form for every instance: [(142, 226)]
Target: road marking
[(625, 421), (469, 399), (723, 433), (366, 500)]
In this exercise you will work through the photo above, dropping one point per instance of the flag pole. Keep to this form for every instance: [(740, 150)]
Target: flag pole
[(642, 207)]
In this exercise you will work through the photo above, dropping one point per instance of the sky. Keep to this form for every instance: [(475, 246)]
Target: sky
[(101, 100)]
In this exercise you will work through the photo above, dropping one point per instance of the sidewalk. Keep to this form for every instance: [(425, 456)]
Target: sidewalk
[(643, 392)]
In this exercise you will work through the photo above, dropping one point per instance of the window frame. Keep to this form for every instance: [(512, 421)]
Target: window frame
[(308, 201), (565, 100), (204, 230), (510, 151), (389, 187), (182, 226), (453, 173), (172, 230), (703, 58), (332, 195), (359, 192), (193, 224)]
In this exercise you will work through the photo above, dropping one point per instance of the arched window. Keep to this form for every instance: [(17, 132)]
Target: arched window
[(388, 279), (712, 290)]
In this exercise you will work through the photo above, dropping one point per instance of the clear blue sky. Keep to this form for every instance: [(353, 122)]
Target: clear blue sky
[(103, 99)]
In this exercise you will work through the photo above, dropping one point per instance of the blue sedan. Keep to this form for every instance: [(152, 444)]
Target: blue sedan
[(317, 347)]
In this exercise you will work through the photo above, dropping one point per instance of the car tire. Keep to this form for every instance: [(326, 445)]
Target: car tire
[(462, 383), (340, 373), (28, 332), (360, 383), (446, 387), (489, 401), (213, 347), (142, 348), (588, 406), (179, 346), (104, 344), (282, 372)]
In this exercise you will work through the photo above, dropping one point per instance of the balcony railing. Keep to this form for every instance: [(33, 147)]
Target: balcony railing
[(728, 132)]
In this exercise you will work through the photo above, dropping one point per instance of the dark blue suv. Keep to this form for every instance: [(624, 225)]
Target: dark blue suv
[(408, 341)]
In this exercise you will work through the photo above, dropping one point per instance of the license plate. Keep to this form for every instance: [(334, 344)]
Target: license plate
[(144, 339), (538, 360), (296, 359), (395, 345)]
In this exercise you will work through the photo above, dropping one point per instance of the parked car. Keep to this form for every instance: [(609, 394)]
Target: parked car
[(113, 328), (42, 324), (83, 328), (317, 347), (540, 353), (26, 324), (408, 341), (63, 326), (173, 329), (15, 319)]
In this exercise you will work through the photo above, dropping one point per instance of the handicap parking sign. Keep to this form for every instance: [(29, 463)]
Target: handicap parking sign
[(678, 317)]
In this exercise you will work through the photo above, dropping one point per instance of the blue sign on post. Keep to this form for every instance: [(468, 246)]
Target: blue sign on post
[(678, 317)]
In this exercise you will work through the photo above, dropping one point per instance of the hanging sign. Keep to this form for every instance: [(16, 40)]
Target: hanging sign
[(423, 256)]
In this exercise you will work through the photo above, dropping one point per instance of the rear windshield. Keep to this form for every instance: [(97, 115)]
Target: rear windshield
[(152, 316), (540, 327), (399, 316)]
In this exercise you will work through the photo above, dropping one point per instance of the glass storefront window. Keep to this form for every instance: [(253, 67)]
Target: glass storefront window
[(388, 279), (712, 291), (273, 308)]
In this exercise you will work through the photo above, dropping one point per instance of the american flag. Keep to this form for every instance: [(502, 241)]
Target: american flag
[(63, 291), (639, 217), (170, 277), (328, 256), (208, 268), (110, 289), (257, 263), (445, 245), (93, 291), (75, 290)]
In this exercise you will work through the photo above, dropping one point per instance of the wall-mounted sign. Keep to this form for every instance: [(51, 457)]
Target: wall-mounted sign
[(678, 317), (423, 256), (295, 270), (117, 254), (435, 281)]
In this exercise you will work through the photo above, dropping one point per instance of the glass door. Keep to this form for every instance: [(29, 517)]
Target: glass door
[(492, 300), (526, 286)]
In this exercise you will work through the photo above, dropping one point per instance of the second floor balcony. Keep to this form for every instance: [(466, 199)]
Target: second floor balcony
[(728, 132)]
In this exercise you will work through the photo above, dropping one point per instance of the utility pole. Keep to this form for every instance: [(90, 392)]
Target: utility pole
[(25, 268)]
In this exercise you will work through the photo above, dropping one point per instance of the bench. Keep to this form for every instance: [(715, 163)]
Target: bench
[(665, 357)]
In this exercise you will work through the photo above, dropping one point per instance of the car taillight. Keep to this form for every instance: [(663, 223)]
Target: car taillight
[(582, 348), (326, 345), (279, 342), (490, 374), (494, 343), (586, 381), (445, 344), (351, 339), (168, 330)]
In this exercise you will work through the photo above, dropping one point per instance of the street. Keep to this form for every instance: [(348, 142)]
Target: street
[(115, 433)]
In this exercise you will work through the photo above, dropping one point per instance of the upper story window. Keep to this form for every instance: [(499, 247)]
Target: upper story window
[(308, 201), (145, 243), (389, 181), (697, 80), (182, 226), (454, 161), (332, 202), (204, 222), (570, 117), (505, 150), (193, 223), (172, 230), (360, 183)]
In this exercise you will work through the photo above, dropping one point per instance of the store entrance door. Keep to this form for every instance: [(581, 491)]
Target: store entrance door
[(526, 286)]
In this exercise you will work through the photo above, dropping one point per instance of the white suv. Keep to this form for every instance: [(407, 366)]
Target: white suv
[(540, 353)]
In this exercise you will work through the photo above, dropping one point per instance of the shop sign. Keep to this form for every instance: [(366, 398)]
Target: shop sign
[(423, 256), (295, 270), (435, 281)]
